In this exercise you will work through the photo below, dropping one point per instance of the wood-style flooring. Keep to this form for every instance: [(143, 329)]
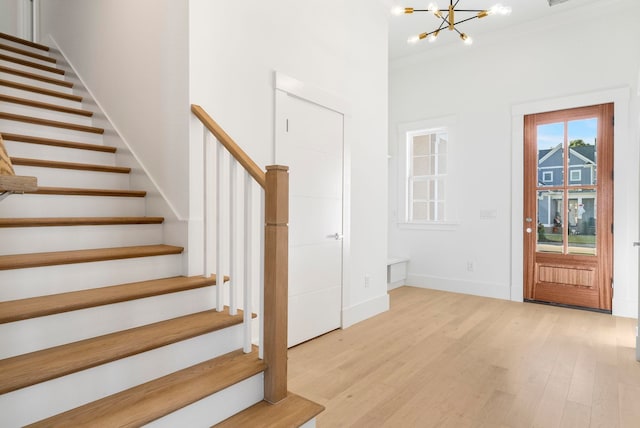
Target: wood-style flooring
[(440, 359)]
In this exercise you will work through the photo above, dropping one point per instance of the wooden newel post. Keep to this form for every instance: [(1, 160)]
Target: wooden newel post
[(276, 282)]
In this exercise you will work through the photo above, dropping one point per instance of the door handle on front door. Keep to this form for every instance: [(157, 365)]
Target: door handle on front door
[(337, 236)]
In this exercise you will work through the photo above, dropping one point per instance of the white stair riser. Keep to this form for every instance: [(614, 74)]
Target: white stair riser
[(24, 283), (61, 154), (41, 333), (24, 47), (35, 82), (42, 113), (71, 206), (23, 240), (20, 93), (217, 407), (49, 398), (60, 177), (28, 57), (30, 69), (15, 127)]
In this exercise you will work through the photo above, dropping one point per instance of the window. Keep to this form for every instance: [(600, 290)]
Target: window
[(427, 175), (426, 186), (547, 176), (575, 175)]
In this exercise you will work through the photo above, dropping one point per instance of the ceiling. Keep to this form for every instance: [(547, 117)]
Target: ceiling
[(403, 26)]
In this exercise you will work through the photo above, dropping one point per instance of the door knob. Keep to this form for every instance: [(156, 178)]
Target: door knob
[(337, 236)]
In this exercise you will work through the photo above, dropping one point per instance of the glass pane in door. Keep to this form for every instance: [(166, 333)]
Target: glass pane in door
[(550, 235), (581, 220), (550, 139), (582, 135)]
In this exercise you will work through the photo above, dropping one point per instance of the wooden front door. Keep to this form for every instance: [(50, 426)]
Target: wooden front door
[(568, 207)]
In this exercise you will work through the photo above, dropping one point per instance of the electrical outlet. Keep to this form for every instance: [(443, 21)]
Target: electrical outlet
[(367, 281), (470, 266)]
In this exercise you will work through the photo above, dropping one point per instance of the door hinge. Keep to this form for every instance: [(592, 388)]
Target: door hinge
[(287, 125), (613, 120), (611, 227)]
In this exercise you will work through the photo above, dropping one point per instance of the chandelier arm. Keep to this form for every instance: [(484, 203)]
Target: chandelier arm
[(465, 20)]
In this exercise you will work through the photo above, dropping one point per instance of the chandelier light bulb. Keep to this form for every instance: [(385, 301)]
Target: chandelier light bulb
[(432, 7), (466, 39), (433, 37), (413, 40), (499, 9), (397, 11)]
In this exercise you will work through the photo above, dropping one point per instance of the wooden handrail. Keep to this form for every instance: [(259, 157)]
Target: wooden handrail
[(252, 168), (9, 181)]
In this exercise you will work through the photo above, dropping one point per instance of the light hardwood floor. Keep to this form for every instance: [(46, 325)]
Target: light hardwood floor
[(440, 359)]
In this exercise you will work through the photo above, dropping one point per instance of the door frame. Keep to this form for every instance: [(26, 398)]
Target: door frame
[(285, 85), (620, 97)]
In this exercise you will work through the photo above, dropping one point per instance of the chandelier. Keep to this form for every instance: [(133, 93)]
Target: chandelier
[(447, 18)]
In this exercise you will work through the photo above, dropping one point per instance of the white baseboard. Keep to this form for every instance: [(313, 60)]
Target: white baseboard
[(455, 285), (396, 284), (364, 310)]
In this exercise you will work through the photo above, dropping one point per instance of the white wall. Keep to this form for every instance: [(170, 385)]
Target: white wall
[(337, 46), (568, 54), (9, 17), (133, 56)]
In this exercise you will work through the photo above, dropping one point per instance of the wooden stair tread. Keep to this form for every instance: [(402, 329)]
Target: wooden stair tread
[(70, 165), (46, 106), (40, 366), (35, 76), (76, 221), (31, 64), (23, 41), (292, 411), (152, 400), (22, 261), (58, 143), (72, 191), (52, 123), (16, 310), (18, 183), (27, 53), (39, 90)]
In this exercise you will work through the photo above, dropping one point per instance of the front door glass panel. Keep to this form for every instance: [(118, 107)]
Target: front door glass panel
[(550, 222), (566, 187)]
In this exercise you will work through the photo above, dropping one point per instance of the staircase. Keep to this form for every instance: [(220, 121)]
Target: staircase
[(98, 325)]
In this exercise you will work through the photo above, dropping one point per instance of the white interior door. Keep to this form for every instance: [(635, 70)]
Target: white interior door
[(309, 139)]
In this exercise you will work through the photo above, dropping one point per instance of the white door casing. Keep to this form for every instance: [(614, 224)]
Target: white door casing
[(310, 140)]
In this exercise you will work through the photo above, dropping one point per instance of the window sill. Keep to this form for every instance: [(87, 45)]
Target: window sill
[(434, 225)]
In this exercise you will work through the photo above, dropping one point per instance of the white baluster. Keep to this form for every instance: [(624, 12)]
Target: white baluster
[(208, 198), (220, 229), (248, 259), (261, 280), (233, 239)]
